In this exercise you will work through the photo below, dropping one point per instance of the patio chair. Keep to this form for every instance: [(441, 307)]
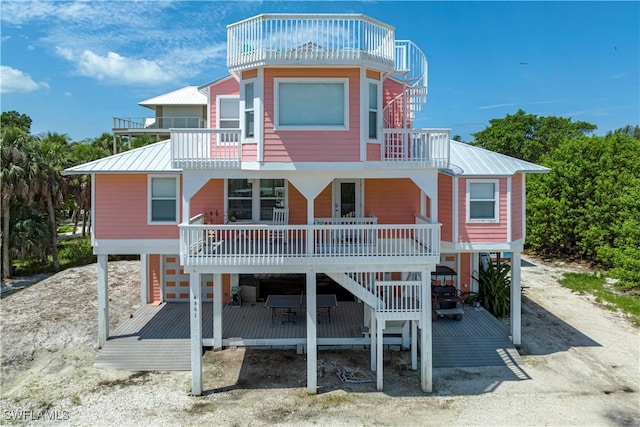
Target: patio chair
[(280, 217)]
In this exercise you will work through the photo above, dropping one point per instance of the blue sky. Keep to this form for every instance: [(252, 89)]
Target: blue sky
[(73, 66)]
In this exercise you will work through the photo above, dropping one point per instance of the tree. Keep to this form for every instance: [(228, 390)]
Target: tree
[(17, 120), (527, 136)]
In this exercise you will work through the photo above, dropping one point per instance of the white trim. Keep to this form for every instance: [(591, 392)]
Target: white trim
[(482, 246), (92, 227), (455, 209), (367, 110), (136, 246), (243, 110), (218, 110), (178, 200), (144, 279), (496, 201), (524, 207), (276, 101), (509, 209)]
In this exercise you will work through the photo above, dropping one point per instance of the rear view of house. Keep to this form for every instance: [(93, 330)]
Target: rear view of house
[(306, 164)]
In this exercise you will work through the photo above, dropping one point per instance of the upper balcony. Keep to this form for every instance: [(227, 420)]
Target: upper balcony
[(310, 39), (154, 125)]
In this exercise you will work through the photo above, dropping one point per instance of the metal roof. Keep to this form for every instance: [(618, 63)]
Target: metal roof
[(466, 160), (189, 95), (154, 158), (470, 160)]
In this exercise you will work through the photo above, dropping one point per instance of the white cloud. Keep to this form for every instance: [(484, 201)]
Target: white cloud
[(15, 81), (115, 68)]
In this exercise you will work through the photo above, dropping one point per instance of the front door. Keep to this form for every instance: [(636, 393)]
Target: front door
[(347, 198)]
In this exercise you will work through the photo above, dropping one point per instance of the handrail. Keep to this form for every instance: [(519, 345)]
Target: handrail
[(415, 147), (158, 122), (206, 148)]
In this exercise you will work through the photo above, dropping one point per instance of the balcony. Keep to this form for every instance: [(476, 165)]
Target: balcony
[(154, 125), (309, 39), (415, 148), (327, 243)]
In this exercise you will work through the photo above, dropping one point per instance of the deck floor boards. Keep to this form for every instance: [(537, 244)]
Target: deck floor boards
[(157, 337)]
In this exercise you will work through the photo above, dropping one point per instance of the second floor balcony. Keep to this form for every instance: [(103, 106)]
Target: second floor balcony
[(155, 124)]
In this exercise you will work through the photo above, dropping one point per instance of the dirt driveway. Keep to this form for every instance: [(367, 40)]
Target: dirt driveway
[(581, 367)]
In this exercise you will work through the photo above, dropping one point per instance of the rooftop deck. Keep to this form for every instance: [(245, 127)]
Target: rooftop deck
[(157, 337)]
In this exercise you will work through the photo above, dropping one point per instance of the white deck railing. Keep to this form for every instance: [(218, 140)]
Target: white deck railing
[(398, 296), (158, 122), (333, 39), (415, 147), (258, 244), (206, 148)]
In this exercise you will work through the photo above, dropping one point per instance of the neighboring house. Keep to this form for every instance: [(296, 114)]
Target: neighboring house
[(314, 121)]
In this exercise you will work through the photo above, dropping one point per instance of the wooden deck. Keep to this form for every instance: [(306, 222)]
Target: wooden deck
[(156, 338)]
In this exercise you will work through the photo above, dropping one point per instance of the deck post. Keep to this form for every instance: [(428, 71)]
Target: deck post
[(144, 279), (103, 300), (414, 345), (426, 343), (380, 353), (217, 311), (516, 303), (195, 316), (373, 332), (312, 350)]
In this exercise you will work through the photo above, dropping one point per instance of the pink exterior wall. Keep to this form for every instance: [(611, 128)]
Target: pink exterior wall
[(393, 201), (445, 206), (312, 146), (464, 275), (113, 192), (297, 206), (228, 86), (482, 232), (154, 279), (390, 90), (373, 151), (209, 199), (517, 210)]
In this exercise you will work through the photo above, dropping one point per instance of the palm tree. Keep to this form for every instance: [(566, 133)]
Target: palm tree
[(15, 177)]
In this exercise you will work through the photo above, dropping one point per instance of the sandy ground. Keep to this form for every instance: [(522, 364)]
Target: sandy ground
[(581, 367)]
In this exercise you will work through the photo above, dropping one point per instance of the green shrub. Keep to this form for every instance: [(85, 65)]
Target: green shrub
[(495, 290), (75, 252)]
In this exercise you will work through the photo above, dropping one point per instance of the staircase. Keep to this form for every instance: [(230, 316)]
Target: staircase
[(411, 70), (391, 300)]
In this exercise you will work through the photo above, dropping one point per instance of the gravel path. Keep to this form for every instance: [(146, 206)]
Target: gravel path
[(581, 367)]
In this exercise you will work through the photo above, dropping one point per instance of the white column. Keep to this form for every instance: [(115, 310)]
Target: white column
[(516, 303), (312, 350), (217, 311), (373, 332), (426, 362), (380, 353), (310, 213), (414, 345), (195, 314), (103, 300), (144, 279)]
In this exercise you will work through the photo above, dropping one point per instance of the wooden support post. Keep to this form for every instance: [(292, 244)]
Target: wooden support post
[(195, 314), (373, 332), (312, 340), (380, 354), (103, 300), (426, 355), (516, 302), (217, 311)]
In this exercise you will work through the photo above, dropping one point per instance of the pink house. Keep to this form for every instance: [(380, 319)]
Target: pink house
[(307, 164)]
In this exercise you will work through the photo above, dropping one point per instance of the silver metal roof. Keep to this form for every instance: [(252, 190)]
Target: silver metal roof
[(469, 160), (154, 158), (466, 160), (189, 95)]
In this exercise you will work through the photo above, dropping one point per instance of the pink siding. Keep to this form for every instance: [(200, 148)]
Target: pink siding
[(393, 201), (297, 206), (390, 90), (517, 210), (445, 206), (154, 279), (482, 232), (464, 275), (229, 86), (322, 203), (209, 199), (113, 192), (373, 152), (317, 146)]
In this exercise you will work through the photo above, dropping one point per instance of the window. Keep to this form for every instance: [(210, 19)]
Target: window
[(311, 104), (163, 200), (482, 201), (229, 113), (248, 111), (373, 111), (249, 202)]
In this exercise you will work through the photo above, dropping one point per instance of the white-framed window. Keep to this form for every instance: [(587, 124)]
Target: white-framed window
[(311, 104), (249, 111), (254, 199), (374, 107), (482, 201), (228, 117), (163, 202)]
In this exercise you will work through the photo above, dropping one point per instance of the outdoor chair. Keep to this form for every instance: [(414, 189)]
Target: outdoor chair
[(280, 217)]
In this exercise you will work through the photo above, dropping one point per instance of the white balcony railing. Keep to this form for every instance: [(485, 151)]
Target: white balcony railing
[(206, 148), (153, 123), (415, 147), (260, 244), (328, 39)]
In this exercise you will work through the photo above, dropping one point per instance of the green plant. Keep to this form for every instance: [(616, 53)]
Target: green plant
[(495, 289)]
